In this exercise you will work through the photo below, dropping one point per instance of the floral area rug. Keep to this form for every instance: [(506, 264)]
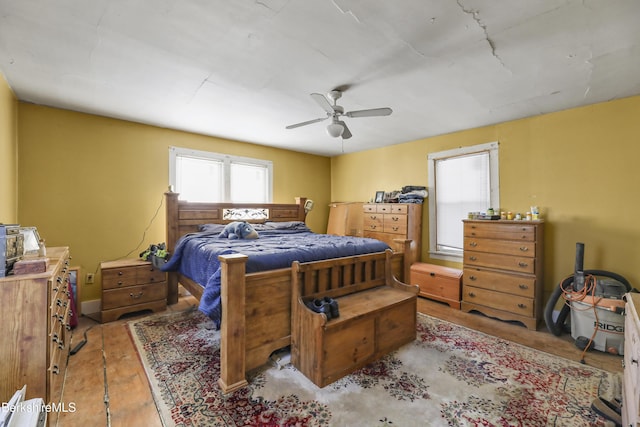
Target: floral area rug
[(449, 376)]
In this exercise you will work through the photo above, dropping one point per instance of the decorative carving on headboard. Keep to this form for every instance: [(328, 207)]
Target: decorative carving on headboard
[(239, 214)]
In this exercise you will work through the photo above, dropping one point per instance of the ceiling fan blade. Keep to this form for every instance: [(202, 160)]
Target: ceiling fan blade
[(346, 134), (374, 112), (323, 102), (309, 122)]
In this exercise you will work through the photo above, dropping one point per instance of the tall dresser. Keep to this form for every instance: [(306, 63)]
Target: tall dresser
[(34, 344), (391, 221), (503, 269)]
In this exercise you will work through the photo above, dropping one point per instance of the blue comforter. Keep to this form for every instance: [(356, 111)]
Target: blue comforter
[(279, 244)]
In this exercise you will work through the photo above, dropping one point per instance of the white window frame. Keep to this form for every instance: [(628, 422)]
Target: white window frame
[(494, 195), (227, 160)]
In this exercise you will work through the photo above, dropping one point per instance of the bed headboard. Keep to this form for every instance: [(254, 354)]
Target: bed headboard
[(184, 217)]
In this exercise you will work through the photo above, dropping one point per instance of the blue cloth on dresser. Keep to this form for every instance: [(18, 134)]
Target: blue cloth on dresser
[(196, 254)]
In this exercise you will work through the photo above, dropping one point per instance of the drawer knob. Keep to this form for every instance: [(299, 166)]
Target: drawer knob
[(473, 278), (120, 282), (471, 294), (474, 244), (395, 218), (395, 228), (472, 258), (524, 248), (634, 361), (522, 305), (523, 286), (55, 370), (120, 273), (136, 296), (523, 264), (373, 217)]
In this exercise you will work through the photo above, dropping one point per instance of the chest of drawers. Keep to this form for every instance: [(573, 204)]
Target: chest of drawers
[(131, 285), (34, 344), (391, 222), (503, 269)]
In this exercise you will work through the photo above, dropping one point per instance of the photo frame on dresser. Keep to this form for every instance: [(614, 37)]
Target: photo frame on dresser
[(379, 197)]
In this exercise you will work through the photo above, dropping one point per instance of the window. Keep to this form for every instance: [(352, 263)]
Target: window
[(461, 180), (201, 176)]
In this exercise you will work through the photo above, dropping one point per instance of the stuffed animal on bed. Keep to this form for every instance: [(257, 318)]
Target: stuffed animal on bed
[(239, 230)]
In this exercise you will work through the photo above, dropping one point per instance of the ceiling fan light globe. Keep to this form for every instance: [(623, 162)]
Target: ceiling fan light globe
[(335, 129)]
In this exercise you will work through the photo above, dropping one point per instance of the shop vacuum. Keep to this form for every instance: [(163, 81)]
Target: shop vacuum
[(595, 300)]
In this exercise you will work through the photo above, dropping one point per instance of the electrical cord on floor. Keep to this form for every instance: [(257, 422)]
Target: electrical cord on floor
[(81, 344), (571, 296)]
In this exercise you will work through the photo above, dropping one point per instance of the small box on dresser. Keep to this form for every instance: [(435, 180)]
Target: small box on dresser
[(437, 282), (131, 285)]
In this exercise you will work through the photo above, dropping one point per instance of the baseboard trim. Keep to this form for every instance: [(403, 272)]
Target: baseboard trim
[(92, 306)]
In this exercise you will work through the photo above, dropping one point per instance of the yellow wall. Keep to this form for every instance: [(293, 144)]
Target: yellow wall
[(579, 166), (8, 154), (95, 184)]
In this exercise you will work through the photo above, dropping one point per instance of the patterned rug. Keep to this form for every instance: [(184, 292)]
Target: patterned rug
[(449, 376)]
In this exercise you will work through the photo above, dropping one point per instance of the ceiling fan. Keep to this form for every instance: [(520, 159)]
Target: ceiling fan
[(338, 127)]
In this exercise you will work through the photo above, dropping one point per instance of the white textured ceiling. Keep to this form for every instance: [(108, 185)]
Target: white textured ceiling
[(244, 69)]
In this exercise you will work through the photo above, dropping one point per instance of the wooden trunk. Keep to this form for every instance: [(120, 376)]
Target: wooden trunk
[(437, 282)]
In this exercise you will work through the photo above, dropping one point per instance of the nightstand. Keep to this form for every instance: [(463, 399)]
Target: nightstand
[(131, 285)]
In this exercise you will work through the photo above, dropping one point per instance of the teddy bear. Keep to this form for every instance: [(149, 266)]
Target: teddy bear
[(239, 230)]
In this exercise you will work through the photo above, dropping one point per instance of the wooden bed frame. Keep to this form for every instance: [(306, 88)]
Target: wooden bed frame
[(256, 315)]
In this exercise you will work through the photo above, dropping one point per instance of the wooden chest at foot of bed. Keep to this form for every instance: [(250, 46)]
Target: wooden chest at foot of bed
[(437, 282), (131, 285)]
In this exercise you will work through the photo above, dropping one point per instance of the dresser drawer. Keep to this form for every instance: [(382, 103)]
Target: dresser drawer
[(506, 247), (490, 230), (506, 302), (510, 283), (395, 223), (503, 262), (373, 222), (149, 274), (138, 294), (114, 278)]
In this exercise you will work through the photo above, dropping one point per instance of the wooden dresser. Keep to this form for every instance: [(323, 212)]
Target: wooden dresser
[(131, 285), (391, 221), (631, 375), (503, 269), (34, 344)]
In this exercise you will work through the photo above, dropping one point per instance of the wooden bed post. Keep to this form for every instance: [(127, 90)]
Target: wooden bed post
[(172, 239), (233, 328)]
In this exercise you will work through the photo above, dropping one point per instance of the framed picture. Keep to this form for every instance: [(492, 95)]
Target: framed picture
[(379, 196)]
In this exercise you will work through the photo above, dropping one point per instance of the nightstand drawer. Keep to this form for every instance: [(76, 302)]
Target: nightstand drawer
[(118, 278), (133, 295)]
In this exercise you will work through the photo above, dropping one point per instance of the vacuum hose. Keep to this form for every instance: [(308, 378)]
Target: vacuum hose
[(574, 283)]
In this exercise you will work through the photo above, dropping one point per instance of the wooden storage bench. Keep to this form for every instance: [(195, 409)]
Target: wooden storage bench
[(438, 283), (377, 315)]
